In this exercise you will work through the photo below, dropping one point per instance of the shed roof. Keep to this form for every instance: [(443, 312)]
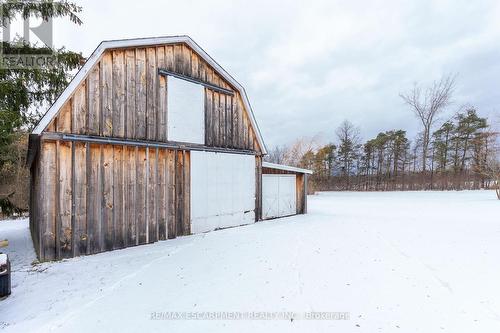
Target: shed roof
[(285, 168), (137, 42)]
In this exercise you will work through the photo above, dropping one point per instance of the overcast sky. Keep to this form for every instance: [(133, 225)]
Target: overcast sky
[(307, 65)]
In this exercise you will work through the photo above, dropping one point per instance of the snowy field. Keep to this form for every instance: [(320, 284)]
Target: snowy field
[(396, 262)]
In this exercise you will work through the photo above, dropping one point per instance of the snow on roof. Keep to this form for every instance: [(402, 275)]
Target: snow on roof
[(285, 168), (137, 42)]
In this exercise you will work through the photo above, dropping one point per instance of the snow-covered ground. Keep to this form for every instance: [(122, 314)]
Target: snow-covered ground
[(397, 262)]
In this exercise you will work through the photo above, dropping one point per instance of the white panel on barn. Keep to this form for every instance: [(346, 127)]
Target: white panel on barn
[(185, 107), (278, 195), (222, 190)]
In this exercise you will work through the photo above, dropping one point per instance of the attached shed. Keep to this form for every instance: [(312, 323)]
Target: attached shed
[(152, 139), (284, 190)]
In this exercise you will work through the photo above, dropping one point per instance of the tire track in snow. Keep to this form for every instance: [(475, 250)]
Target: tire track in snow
[(427, 267)]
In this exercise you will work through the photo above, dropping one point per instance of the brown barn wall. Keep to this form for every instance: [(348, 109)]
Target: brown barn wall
[(123, 96), (101, 197)]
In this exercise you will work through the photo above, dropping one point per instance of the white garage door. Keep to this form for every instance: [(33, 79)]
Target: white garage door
[(222, 190), (278, 196)]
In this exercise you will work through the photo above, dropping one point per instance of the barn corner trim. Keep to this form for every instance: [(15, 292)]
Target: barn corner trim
[(138, 42)]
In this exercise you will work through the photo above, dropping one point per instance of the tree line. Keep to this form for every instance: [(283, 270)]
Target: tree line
[(459, 153), (26, 90)]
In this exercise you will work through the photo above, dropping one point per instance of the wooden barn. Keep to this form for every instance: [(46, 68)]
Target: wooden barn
[(151, 140)]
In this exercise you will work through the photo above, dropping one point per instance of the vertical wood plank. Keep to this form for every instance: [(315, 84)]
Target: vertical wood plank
[(65, 198), (186, 55), (222, 120), (130, 89), (64, 118), (94, 199), (215, 120), (162, 97), (162, 194), (79, 109), (80, 198), (151, 89), (152, 196), (202, 69), (129, 195), (94, 101), (169, 57), (171, 166), (234, 111), (304, 209), (118, 204), (179, 189), (229, 120), (107, 197), (195, 66), (48, 193), (179, 58), (107, 94), (245, 130), (119, 115), (140, 121), (141, 196)]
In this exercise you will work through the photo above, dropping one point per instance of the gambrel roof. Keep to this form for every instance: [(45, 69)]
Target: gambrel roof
[(139, 42)]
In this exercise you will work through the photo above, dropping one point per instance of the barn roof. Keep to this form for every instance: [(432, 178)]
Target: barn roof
[(285, 168), (137, 42)]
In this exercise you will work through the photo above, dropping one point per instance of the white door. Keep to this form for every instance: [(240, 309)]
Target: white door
[(222, 190), (278, 196)]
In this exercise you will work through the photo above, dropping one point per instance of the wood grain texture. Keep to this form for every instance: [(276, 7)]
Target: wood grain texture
[(106, 86), (79, 110), (129, 199), (103, 197), (141, 182), (118, 198), (118, 88), (152, 199), (172, 192), (79, 204), (65, 198), (94, 199), (151, 92), (94, 102), (64, 120), (130, 93), (123, 96), (108, 230), (162, 204), (140, 94)]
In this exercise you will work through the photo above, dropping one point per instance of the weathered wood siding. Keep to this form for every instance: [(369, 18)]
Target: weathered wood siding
[(123, 96), (89, 198)]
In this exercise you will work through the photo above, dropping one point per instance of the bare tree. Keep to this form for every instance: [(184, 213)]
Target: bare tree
[(348, 148), (427, 105), (292, 154), (277, 155), (300, 147)]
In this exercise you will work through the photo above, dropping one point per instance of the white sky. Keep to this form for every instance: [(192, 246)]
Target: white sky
[(307, 65)]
